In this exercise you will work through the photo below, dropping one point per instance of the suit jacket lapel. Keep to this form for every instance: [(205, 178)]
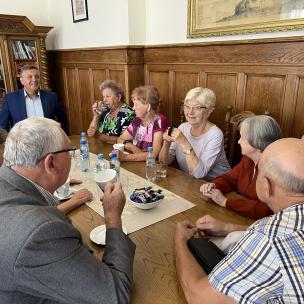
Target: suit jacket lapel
[(21, 106), (44, 103)]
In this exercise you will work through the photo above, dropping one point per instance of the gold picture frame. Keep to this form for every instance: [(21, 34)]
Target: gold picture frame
[(232, 17)]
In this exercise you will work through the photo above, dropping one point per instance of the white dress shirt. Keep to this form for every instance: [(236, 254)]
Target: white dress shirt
[(33, 106)]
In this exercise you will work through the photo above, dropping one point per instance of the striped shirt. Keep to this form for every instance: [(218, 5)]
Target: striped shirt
[(267, 264), (49, 197)]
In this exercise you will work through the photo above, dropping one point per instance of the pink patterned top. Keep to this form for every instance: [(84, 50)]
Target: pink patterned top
[(143, 136)]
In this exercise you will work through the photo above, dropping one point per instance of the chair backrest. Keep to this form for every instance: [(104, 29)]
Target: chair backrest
[(231, 134)]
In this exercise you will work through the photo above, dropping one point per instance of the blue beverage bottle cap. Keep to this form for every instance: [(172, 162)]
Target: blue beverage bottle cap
[(113, 155), (100, 156), (150, 149)]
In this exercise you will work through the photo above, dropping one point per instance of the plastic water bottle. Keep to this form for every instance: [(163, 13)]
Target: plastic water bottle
[(150, 165), (84, 156), (101, 163), (83, 136), (115, 164)]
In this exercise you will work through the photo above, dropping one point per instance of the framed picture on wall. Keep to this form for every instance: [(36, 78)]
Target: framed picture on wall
[(79, 10), (231, 17)]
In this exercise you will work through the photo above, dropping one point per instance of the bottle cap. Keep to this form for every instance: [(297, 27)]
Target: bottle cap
[(112, 155), (83, 142), (100, 156), (150, 149)]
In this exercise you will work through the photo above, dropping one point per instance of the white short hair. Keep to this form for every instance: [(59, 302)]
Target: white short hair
[(30, 140), (260, 131), (203, 96), (288, 181)]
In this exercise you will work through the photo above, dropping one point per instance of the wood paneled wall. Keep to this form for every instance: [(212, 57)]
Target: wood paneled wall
[(260, 75)]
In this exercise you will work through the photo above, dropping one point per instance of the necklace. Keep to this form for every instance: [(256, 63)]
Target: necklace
[(114, 113)]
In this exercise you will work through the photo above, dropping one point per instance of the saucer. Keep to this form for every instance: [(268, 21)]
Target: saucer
[(98, 234), (71, 192)]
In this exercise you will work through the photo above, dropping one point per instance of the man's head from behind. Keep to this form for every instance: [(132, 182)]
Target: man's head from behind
[(30, 145), (280, 182)]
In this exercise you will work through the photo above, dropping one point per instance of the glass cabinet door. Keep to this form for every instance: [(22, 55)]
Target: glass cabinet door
[(24, 53)]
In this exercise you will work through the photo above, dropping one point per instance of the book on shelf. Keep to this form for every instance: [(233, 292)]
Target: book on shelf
[(24, 49)]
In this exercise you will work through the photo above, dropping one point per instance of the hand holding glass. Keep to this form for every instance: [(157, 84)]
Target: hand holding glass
[(98, 107)]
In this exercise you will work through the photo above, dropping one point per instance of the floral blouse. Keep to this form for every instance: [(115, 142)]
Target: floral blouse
[(116, 125)]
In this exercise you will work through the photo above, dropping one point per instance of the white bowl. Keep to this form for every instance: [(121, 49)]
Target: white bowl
[(105, 176), (146, 205)]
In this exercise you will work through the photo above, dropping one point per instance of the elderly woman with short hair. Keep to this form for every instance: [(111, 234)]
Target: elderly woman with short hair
[(257, 132), (197, 145), (147, 129), (113, 115)]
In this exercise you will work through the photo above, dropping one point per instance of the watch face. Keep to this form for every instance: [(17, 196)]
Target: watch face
[(187, 152)]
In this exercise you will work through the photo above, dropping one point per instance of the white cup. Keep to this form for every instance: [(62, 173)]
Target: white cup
[(105, 176), (120, 147), (63, 191)]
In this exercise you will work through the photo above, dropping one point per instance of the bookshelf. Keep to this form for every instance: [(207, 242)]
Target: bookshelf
[(21, 43)]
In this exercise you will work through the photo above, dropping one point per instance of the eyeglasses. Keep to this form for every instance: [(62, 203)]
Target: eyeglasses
[(196, 108), (70, 150)]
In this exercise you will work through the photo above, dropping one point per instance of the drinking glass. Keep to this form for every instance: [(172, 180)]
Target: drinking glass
[(100, 107), (161, 169)]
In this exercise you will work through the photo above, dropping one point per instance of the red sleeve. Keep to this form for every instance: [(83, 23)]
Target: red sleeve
[(254, 209), (228, 182)]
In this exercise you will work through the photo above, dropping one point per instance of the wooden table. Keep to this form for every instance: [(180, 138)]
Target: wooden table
[(154, 269)]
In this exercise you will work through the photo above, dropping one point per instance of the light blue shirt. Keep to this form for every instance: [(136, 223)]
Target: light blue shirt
[(33, 106)]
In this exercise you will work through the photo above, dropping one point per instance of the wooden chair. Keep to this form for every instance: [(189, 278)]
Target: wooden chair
[(231, 135)]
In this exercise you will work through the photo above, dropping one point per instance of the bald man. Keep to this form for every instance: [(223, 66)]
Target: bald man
[(267, 264)]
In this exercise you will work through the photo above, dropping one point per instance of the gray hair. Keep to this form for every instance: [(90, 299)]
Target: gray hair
[(28, 67), (204, 96), (30, 140), (286, 180), (115, 87), (260, 131)]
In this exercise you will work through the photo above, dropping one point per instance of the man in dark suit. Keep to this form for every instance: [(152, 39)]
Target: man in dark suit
[(43, 259), (31, 101)]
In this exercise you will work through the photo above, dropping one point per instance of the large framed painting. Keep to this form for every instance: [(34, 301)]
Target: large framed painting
[(230, 17)]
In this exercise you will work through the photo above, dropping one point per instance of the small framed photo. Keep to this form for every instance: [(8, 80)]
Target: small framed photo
[(79, 10)]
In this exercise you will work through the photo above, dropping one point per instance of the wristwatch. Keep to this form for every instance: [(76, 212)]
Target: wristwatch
[(188, 151)]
